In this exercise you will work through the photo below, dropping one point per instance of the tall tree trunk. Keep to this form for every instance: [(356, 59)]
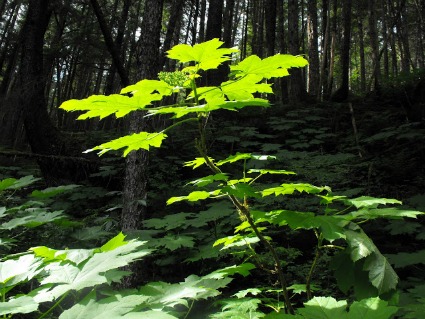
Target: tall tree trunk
[(48, 145), (257, 27), (361, 53), (214, 25), (296, 85), (228, 23), (342, 93), (313, 49), (373, 37), (110, 44), (282, 47), (324, 69), (201, 37), (270, 21), (176, 13), (135, 180)]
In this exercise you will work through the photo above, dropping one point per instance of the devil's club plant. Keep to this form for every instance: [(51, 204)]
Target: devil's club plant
[(336, 225)]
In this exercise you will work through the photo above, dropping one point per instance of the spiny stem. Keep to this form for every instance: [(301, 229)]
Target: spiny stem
[(310, 274), (54, 306), (244, 211)]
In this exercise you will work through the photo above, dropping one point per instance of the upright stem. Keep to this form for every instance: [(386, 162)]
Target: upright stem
[(310, 274), (245, 212)]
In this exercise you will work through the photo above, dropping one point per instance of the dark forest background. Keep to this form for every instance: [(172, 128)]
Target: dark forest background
[(354, 119)]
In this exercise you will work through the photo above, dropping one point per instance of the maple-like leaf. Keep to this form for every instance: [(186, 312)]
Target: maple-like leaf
[(134, 142), (207, 55), (274, 66)]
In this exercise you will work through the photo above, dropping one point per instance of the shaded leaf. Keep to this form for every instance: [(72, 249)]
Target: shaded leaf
[(367, 201)]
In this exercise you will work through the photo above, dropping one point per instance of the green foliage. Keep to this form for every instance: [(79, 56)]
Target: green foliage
[(335, 220)]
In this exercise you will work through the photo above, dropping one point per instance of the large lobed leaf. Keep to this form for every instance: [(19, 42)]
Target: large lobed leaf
[(134, 142), (98, 269), (274, 66), (207, 55)]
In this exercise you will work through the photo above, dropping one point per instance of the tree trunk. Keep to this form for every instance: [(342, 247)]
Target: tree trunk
[(51, 149), (214, 25), (342, 93), (313, 49), (296, 86), (281, 44), (228, 23), (201, 37), (135, 180), (270, 21), (373, 37), (175, 16), (111, 46), (361, 54)]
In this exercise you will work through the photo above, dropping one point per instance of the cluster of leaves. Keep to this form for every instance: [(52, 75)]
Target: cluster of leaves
[(361, 270), (78, 283)]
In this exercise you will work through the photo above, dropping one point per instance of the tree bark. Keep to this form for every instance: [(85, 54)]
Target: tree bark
[(228, 23), (373, 37), (270, 21), (135, 180), (313, 49), (214, 27), (50, 147), (111, 46), (342, 93), (175, 16), (296, 85)]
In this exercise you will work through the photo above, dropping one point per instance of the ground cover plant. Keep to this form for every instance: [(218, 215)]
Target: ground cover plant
[(248, 214)]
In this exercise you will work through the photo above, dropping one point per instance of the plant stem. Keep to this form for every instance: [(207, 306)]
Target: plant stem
[(244, 211), (310, 274), (54, 306)]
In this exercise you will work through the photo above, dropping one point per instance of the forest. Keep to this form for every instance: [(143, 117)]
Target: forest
[(232, 159)]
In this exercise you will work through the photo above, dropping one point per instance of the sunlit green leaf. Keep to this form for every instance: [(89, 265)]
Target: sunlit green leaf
[(274, 66), (156, 89), (204, 181), (16, 271), (235, 158), (93, 272), (288, 189), (113, 307), (242, 269), (134, 142), (199, 161), (192, 197), (372, 213), (245, 87), (22, 304), (208, 55), (271, 171), (102, 106), (324, 308), (372, 202)]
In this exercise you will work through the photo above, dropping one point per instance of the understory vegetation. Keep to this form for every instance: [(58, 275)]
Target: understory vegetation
[(269, 212)]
